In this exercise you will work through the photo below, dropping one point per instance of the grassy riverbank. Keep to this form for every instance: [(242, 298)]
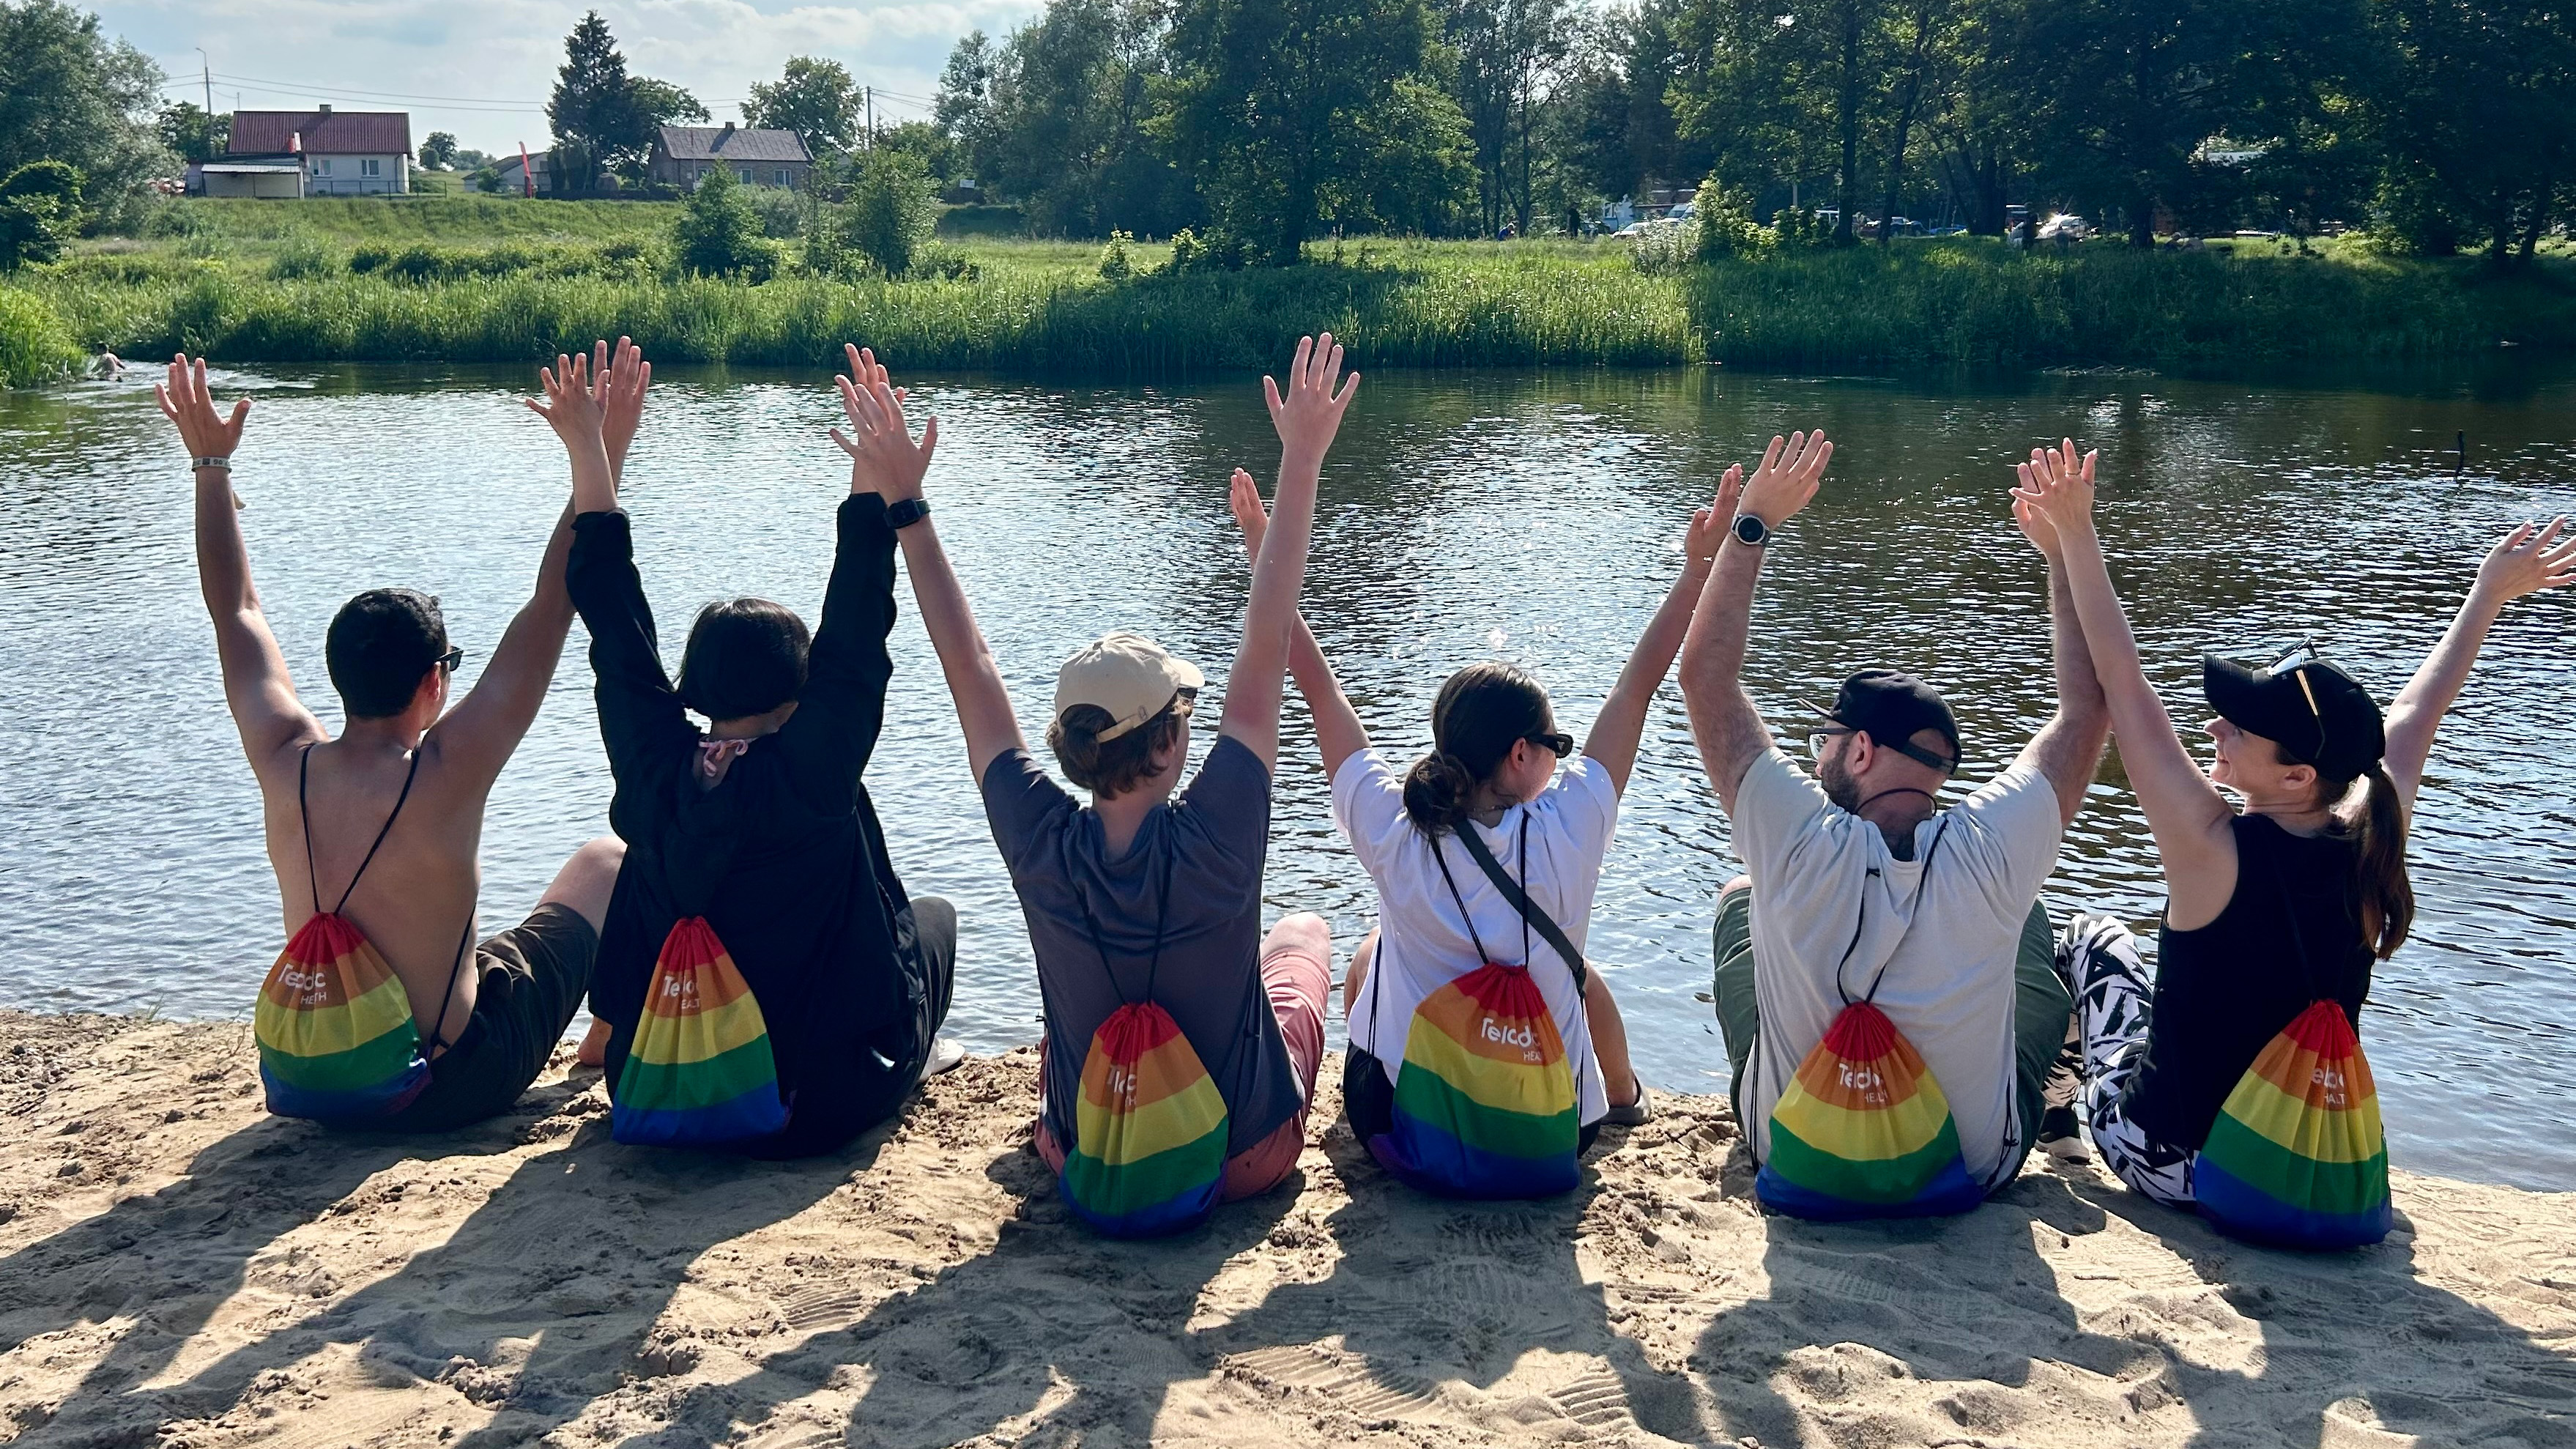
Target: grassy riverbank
[(487, 279)]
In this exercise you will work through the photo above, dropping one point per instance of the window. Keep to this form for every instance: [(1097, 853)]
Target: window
[(369, 167), (779, 176), (322, 166), (742, 174)]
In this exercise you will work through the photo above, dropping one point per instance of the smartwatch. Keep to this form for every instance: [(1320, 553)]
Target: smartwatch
[(1751, 531), (904, 512)]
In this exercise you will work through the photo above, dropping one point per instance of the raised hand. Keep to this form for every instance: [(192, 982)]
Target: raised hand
[(2057, 487), (1708, 525), (1791, 471), (621, 385), (574, 406), (1250, 515), (185, 401), (2527, 560), (1310, 412), (884, 460)]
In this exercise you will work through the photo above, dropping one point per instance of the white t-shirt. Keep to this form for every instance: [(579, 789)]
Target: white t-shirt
[(1948, 947), (1423, 944)]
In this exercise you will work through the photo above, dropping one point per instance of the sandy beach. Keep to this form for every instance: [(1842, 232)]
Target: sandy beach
[(179, 1269)]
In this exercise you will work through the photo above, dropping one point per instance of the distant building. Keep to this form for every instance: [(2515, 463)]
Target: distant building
[(320, 152), (683, 155), (514, 177)]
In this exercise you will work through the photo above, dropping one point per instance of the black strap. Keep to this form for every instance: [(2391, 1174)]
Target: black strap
[(313, 878), (1154, 963), (1920, 882), (1532, 916)]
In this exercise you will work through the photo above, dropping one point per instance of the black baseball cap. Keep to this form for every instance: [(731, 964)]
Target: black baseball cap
[(2303, 703), (1891, 705)]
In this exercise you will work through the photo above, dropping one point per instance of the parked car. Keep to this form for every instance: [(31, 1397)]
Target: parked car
[(2065, 226)]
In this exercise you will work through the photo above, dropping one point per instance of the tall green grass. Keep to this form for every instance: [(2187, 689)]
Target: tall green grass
[(442, 218), (1043, 308), (35, 345)]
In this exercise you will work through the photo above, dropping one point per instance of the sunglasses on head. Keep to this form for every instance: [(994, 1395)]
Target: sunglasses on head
[(2295, 664), (1817, 741), (1559, 745)]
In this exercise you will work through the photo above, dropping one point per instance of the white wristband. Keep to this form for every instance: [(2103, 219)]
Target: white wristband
[(225, 463)]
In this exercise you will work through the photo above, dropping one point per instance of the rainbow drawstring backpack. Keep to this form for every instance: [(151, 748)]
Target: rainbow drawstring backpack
[(337, 1042), (2297, 1157), (1484, 1097), (699, 1072), (1150, 1130), (1864, 1130)]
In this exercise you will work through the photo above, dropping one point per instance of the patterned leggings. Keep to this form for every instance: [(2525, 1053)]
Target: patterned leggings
[(2114, 1000)]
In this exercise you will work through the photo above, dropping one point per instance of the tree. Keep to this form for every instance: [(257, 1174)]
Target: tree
[(719, 232), (1509, 52), (659, 103), (890, 211), (1272, 103), (593, 109), (39, 212), (1618, 130), (938, 152), (964, 105), (814, 98), (67, 93), (2472, 110), (438, 153), (191, 132), (1071, 102)]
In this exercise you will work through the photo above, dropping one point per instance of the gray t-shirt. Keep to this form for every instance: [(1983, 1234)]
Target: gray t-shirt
[(1208, 844)]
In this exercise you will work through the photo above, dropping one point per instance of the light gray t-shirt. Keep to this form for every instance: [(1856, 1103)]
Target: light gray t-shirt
[(1945, 935)]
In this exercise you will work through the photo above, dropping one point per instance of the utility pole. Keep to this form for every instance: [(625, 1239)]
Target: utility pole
[(208, 69), (868, 99)]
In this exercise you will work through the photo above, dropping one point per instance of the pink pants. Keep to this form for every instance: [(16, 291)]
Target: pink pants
[(1297, 972)]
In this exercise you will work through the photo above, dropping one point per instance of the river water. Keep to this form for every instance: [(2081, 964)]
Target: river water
[(1528, 516)]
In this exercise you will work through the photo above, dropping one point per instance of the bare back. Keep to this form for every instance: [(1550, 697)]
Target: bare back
[(415, 902)]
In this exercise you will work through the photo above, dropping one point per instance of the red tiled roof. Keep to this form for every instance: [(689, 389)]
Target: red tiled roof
[(728, 143), (337, 133)]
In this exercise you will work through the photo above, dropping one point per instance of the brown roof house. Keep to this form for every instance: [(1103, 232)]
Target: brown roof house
[(320, 152), (683, 155)]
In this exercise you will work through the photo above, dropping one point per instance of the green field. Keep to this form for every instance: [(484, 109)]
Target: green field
[(473, 278)]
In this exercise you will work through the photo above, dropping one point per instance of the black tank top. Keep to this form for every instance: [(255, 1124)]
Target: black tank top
[(2225, 990)]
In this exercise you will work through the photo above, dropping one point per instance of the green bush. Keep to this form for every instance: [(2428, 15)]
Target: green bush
[(1214, 252), (891, 210), (39, 213), (719, 233), (35, 346), (781, 212), (302, 258), (1722, 226), (1114, 263)]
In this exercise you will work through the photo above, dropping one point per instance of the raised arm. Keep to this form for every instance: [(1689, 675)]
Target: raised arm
[(885, 461), (593, 404), (2068, 749), (2191, 821), (1622, 722), (2525, 561), (1724, 722), (1338, 731), (256, 687), (1306, 416)]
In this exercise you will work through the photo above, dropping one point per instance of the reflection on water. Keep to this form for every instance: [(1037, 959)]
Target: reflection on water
[(1532, 517)]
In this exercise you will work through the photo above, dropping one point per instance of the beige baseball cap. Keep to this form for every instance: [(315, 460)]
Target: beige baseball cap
[(1129, 675)]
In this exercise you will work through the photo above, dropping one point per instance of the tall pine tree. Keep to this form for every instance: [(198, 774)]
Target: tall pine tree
[(593, 109)]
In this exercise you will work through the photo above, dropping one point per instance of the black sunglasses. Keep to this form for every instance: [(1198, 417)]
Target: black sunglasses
[(2295, 664), (453, 659), (1561, 745)]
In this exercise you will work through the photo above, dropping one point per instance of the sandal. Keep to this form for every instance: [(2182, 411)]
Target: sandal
[(1635, 1113)]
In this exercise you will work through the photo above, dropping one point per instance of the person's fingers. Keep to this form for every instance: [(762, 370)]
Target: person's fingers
[(2089, 460), (1350, 385), (929, 437), (1771, 455), (599, 364), (2549, 535), (534, 406), (241, 410), (1270, 395), (1297, 365)]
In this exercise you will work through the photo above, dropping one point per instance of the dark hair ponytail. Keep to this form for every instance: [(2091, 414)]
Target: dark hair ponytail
[(2387, 896), (1482, 711)]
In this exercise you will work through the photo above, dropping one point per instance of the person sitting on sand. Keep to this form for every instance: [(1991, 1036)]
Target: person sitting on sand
[(2271, 905), (384, 822), (1486, 853), (1151, 893), (760, 828), (1860, 887)]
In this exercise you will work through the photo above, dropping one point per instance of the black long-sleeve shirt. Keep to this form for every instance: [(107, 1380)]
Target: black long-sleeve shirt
[(784, 857)]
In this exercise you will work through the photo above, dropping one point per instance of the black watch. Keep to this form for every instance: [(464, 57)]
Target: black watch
[(904, 512), (1750, 531)]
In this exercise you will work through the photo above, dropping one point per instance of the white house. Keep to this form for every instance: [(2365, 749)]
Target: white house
[(333, 153)]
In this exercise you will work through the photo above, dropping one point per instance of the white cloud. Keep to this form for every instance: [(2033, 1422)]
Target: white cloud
[(283, 51)]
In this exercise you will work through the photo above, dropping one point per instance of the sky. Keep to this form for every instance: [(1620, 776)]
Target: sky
[(483, 68)]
